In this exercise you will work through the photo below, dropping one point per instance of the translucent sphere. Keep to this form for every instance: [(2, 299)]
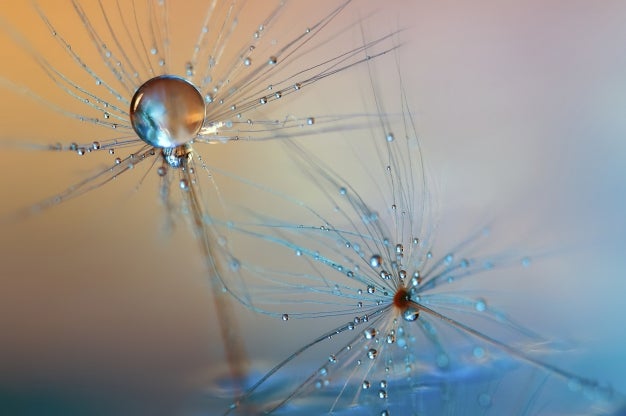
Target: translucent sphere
[(167, 111)]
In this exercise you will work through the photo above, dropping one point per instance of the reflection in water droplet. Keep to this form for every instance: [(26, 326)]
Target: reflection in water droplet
[(167, 111)]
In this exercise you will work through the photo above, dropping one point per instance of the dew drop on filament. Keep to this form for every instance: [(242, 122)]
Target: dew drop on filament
[(376, 260)]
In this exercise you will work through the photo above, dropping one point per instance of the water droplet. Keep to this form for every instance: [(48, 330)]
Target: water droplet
[(332, 359), (382, 394), (480, 305), (118, 160), (167, 111), (390, 137), (161, 171), (365, 385), (81, 151), (285, 317), (263, 100), (247, 61), (369, 333), (372, 353), (376, 260), (184, 184), (371, 289), (272, 60), (384, 413), (297, 86), (410, 314), (95, 145), (310, 121), (383, 384), (479, 352)]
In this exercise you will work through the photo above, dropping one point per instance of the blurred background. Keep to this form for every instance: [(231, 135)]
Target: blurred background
[(519, 109)]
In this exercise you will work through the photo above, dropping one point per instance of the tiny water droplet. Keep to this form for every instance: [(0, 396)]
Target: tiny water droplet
[(272, 60), (234, 265), (285, 317), (376, 260), (372, 353), (369, 333), (184, 184), (410, 314)]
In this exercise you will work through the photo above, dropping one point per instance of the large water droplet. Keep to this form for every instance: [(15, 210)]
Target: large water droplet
[(167, 111)]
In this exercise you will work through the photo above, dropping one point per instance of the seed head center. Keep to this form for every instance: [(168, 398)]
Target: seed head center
[(167, 111), (402, 299)]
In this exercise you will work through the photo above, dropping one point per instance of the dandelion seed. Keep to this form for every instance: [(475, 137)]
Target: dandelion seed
[(147, 104), (428, 345)]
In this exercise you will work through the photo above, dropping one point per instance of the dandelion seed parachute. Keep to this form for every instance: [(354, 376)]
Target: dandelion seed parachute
[(240, 82), (411, 335)]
